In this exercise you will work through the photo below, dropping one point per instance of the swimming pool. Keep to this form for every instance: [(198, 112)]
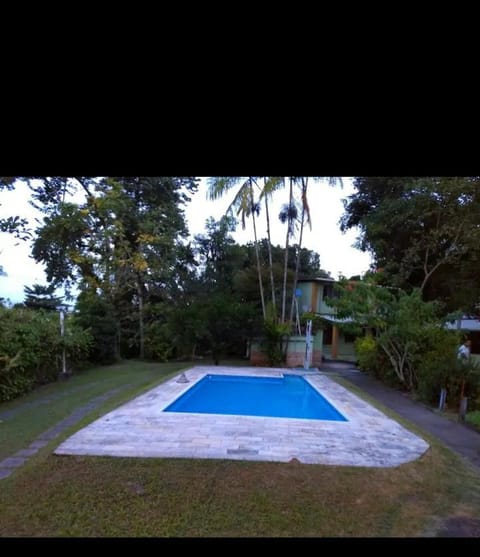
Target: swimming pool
[(141, 428), (290, 396)]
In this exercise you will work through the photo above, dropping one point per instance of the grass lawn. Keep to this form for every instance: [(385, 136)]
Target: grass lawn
[(47, 405), (105, 496), (473, 418)]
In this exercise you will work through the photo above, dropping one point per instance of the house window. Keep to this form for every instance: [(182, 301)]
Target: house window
[(475, 338), (327, 335), (330, 292), (349, 337)]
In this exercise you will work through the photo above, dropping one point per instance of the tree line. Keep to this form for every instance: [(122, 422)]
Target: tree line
[(146, 290)]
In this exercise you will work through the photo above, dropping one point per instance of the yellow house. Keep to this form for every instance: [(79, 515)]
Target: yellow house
[(330, 343), (335, 344)]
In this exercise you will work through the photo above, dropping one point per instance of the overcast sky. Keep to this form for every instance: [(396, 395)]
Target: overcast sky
[(336, 252)]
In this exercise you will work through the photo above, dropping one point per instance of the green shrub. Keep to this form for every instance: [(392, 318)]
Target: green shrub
[(318, 323), (158, 346), (97, 315), (436, 364), (373, 360), (367, 353), (437, 367), (31, 349), (473, 418), (274, 336)]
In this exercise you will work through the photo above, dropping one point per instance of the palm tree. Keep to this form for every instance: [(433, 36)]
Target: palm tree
[(270, 185), (244, 202), (305, 213), (289, 215), (332, 180)]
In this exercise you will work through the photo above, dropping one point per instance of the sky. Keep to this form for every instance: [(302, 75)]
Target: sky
[(337, 254)]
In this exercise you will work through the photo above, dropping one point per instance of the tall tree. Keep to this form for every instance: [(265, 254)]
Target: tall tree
[(422, 232), (270, 185), (306, 218), (246, 206), (288, 215), (400, 320), (41, 297), (305, 213), (124, 241), (14, 224), (219, 255), (212, 313)]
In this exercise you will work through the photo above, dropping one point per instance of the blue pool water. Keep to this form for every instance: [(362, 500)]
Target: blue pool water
[(281, 397)]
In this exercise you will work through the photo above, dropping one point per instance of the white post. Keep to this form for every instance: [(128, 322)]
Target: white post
[(308, 345), (62, 334), (443, 397)]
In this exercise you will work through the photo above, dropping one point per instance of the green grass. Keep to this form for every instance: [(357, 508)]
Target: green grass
[(18, 431), (101, 496), (473, 418)]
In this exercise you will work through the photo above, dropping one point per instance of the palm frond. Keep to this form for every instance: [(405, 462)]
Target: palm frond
[(305, 206), (271, 185), (217, 186), (331, 180)]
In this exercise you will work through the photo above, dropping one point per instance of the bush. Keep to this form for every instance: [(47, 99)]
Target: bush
[(97, 315), (438, 367), (367, 353), (31, 349), (274, 335), (373, 360), (157, 345), (318, 323), (473, 418)]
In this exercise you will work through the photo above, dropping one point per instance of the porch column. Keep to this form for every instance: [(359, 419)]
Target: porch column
[(334, 342), (314, 297)]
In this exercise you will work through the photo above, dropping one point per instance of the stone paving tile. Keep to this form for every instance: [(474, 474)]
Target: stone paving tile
[(45, 437), (47, 400), (12, 462), (141, 428), (4, 473), (26, 452), (38, 444), (48, 435)]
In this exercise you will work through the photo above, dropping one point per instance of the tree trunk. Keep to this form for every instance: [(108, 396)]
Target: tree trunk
[(259, 269), (299, 248), (270, 262), (285, 263), (463, 409), (394, 359), (443, 398), (140, 320), (118, 338)]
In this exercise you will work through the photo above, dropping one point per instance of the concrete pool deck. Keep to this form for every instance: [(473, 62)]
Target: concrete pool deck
[(140, 428)]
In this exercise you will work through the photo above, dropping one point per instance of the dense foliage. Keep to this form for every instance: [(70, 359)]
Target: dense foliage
[(422, 233), (405, 342), (31, 348), (139, 287), (39, 296), (135, 285)]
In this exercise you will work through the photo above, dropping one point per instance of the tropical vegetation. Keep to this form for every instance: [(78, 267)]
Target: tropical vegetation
[(135, 285)]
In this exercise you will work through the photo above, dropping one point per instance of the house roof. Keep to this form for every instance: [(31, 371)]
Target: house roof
[(334, 319), (316, 279), (465, 324)]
